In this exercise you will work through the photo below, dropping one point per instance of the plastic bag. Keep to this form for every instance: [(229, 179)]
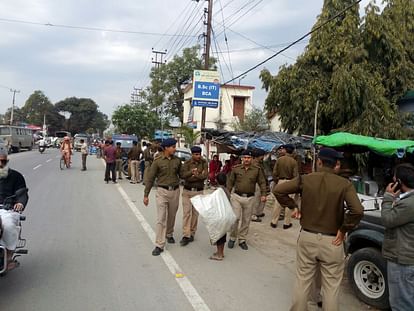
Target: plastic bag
[(216, 212)]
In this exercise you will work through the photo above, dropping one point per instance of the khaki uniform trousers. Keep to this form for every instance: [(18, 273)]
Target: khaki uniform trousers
[(190, 214), (167, 206), (278, 208), (135, 176), (316, 251), (118, 167), (242, 208), (259, 205)]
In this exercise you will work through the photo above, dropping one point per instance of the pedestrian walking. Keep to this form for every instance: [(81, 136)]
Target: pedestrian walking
[(148, 155), (109, 157), (213, 169), (166, 169), (243, 179), (397, 212), (194, 172), (286, 168), (324, 220), (84, 153), (133, 156), (118, 160)]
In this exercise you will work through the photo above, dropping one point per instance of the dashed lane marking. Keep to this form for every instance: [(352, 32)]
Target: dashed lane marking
[(188, 289), (48, 160), (36, 167)]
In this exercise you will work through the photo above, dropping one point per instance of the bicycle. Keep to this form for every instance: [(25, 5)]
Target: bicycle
[(64, 163)]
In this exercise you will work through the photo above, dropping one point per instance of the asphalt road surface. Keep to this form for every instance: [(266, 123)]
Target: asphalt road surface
[(90, 248)]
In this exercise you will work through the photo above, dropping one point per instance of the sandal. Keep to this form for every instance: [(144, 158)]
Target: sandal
[(215, 257)]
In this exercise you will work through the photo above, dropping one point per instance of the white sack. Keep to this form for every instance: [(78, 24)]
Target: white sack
[(216, 212)]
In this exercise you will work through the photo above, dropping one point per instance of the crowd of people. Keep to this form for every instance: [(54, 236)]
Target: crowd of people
[(325, 203)]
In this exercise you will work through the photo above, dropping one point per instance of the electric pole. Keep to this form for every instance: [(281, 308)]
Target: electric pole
[(159, 55), (207, 53), (12, 110)]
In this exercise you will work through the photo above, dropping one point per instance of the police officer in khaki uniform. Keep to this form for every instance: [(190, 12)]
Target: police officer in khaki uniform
[(243, 179), (194, 172), (325, 221), (286, 168), (166, 168), (259, 204)]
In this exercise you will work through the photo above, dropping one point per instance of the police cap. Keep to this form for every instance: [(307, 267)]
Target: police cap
[(247, 153), (258, 152), (195, 149), (168, 142), (329, 154)]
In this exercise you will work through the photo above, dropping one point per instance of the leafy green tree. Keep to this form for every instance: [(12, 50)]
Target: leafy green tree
[(38, 107), (84, 114), (136, 119), (18, 116), (337, 70), (167, 81), (254, 121), (189, 135)]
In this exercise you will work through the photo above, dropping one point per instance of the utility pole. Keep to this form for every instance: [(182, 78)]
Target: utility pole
[(159, 55), (12, 110), (207, 52)]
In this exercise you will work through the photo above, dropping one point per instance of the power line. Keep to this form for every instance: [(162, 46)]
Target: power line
[(89, 28), (296, 41)]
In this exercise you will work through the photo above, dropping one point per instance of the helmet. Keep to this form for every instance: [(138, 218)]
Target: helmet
[(66, 138)]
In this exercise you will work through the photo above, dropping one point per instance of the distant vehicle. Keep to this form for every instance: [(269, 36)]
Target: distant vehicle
[(59, 135), (77, 138), (16, 137), (183, 153), (161, 135), (126, 144)]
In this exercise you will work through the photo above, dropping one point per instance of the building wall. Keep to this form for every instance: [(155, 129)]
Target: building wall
[(225, 109)]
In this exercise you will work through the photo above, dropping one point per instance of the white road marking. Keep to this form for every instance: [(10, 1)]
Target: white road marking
[(48, 160), (36, 167), (188, 289)]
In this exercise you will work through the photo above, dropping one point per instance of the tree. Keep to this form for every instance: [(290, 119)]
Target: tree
[(135, 119), (189, 135), (168, 81), (38, 108), (337, 71), (84, 115), (254, 121)]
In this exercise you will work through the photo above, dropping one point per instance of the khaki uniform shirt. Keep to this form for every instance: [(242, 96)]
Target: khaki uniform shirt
[(194, 181), (260, 164), (134, 153), (286, 167), (323, 197), (166, 170), (244, 180)]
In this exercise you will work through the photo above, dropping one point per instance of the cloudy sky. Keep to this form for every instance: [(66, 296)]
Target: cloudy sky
[(66, 60)]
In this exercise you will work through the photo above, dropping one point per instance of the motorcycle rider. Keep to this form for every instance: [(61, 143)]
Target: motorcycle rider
[(66, 150), (11, 183)]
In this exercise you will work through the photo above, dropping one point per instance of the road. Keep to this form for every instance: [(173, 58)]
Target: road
[(90, 248)]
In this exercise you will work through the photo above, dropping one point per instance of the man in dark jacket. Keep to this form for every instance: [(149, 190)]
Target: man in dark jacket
[(12, 183), (398, 248)]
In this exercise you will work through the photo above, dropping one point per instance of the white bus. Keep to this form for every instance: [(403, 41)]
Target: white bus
[(16, 137)]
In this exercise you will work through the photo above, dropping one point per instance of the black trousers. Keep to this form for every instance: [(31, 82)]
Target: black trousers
[(84, 161), (110, 167)]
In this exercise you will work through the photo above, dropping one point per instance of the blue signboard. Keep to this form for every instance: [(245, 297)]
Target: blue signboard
[(206, 86)]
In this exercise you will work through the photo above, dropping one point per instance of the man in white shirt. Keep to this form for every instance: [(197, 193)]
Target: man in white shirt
[(84, 152)]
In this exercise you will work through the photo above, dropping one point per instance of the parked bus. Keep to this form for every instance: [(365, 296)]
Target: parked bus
[(16, 137)]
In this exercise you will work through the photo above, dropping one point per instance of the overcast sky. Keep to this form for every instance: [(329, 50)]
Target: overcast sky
[(106, 66)]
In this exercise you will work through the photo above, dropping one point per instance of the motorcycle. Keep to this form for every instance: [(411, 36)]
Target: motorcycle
[(21, 244), (42, 149)]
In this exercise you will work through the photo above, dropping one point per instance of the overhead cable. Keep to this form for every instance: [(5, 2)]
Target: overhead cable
[(296, 41)]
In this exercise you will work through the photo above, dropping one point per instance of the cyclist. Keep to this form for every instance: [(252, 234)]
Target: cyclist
[(66, 150)]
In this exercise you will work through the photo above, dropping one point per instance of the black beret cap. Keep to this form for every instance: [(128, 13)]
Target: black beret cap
[(168, 142), (259, 152), (329, 153), (195, 149), (248, 153)]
